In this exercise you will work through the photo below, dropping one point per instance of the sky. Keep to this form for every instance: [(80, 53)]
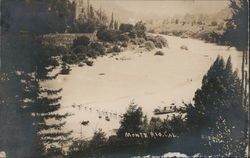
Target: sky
[(127, 9)]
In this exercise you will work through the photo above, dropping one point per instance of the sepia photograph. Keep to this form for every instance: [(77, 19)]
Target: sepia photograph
[(124, 78)]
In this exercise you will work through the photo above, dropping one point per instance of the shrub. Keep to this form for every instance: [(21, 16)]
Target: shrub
[(116, 49), (70, 58), (140, 29), (126, 27), (123, 37), (83, 40), (80, 49), (92, 53), (162, 40), (132, 35), (89, 63), (124, 44), (98, 47), (132, 120), (65, 69), (52, 50), (159, 53), (158, 41), (108, 35), (149, 45), (137, 41), (140, 40), (214, 23), (133, 41)]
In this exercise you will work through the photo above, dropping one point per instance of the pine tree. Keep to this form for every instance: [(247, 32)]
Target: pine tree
[(217, 113), (116, 27), (236, 35), (24, 105), (47, 104), (15, 121), (132, 120), (111, 24)]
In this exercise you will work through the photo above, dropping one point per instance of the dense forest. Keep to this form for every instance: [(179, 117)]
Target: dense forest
[(213, 125)]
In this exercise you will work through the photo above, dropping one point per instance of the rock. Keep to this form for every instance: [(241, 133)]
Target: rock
[(159, 53), (184, 47)]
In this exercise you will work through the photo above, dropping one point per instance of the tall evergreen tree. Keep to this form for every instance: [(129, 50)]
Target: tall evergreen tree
[(132, 120), (47, 104), (111, 24), (217, 113), (236, 35), (26, 106)]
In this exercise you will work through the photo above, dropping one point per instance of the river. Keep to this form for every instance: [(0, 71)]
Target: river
[(107, 88)]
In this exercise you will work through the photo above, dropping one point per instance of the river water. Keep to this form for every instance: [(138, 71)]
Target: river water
[(107, 88)]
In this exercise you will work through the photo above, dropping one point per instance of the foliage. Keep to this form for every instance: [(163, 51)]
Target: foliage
[(116, 49), (65, 69), (126, 27), (70, 58), (159, 53), (98, 47), (158, 41), (91, 148), (217, 107), (140, 29), (108, 35), (83, 40), (89, 63), (149, 45), (89, 20), (237, 26), (132, 120), (38, 16)]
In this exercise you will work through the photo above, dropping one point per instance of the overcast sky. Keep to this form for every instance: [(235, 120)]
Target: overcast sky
[(125, 9)]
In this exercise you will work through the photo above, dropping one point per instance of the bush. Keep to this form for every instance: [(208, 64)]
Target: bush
[(123, 37), (108, 35), (124, 44), (126, 27), (132, 120), (132, 35), (65, 69), (159, 53), (116, 49), (52, 50), (89, 63), (98, 47), (137, 41), (70, 58), (83, 40), (158, 41), (214, 23), (140, 29), (80, 49), (149, 45)]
